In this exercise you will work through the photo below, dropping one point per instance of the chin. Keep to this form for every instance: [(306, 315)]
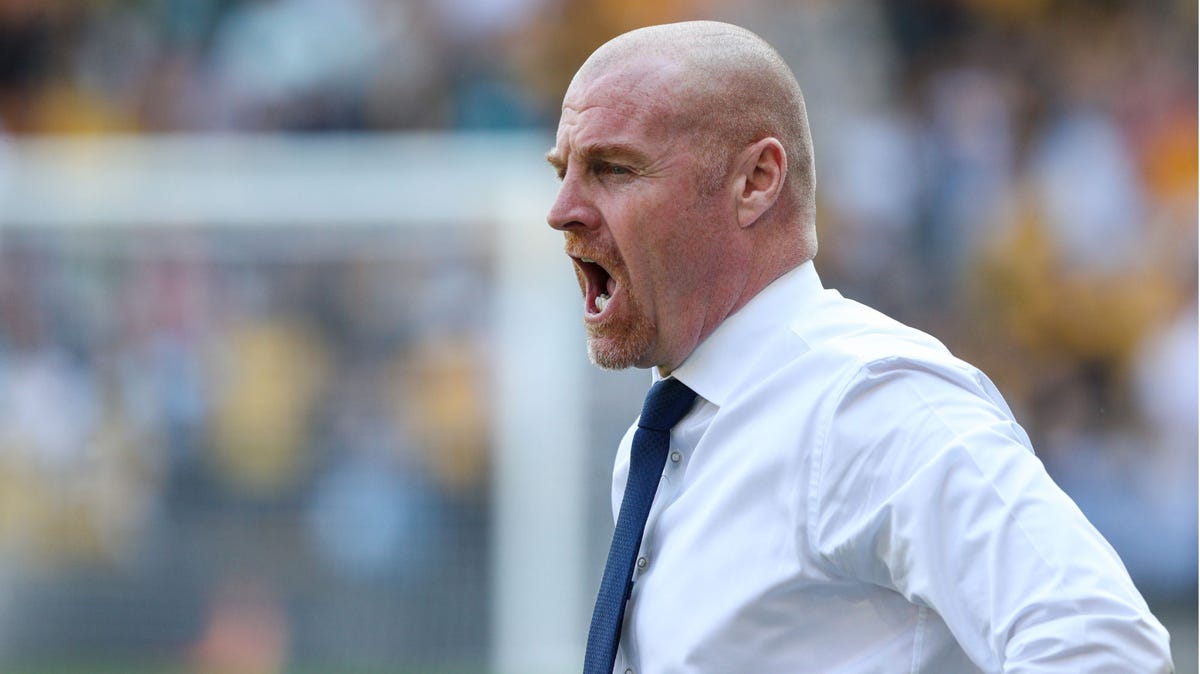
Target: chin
[(606, 359), (618, 354)]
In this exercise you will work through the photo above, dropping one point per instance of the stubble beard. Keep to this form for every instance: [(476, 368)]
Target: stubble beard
[(622, 342)]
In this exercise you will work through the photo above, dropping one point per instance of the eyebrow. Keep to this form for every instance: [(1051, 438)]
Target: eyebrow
[(598, 151)]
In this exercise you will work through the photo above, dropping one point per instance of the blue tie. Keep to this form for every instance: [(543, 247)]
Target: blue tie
[(666, 403)]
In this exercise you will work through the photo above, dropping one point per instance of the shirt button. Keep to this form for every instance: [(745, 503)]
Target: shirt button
[(642, 562), (676, 456), (629, 670)]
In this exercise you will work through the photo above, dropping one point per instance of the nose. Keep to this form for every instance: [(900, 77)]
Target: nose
[(572, 208)]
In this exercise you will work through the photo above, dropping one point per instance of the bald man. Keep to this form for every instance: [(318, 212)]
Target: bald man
[(843, 495)]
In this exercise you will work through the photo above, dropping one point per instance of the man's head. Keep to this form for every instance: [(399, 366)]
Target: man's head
[(687, 186)]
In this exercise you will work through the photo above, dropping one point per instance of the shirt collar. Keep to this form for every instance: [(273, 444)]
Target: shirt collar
[(717, 365)]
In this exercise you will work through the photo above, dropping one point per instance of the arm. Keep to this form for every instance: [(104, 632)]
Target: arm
[(928, 487)]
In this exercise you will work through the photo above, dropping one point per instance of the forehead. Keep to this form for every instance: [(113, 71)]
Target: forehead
[(632, 80), (634, 98)]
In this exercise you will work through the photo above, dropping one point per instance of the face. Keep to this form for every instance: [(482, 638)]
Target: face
[(645, 239)]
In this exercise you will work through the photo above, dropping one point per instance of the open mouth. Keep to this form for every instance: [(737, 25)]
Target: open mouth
[(598, 285)]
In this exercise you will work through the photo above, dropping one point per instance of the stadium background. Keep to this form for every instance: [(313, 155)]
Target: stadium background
[(274, 275)]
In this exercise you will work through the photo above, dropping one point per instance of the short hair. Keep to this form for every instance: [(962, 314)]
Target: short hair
[(742, 91)]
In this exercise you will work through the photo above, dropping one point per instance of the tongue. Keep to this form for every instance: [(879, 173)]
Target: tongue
[(612, 286)]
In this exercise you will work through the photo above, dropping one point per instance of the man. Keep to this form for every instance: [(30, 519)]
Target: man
[(843, 495)]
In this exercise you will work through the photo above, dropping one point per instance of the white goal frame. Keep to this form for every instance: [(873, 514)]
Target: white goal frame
[(541, 597)]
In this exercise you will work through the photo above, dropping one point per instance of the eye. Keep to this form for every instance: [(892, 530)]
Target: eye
[(607, 169)]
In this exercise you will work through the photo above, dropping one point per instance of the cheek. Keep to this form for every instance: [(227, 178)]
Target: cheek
[(648, 238), (669, 269), (634, 224), (669, 244), (696, 241)]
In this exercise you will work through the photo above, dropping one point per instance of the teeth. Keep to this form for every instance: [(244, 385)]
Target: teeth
[(601, 302), (588, 260)]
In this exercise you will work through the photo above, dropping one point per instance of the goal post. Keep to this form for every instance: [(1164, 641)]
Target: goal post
[(491, 187)]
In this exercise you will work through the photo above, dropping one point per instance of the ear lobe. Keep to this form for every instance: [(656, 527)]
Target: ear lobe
[(760, 178)]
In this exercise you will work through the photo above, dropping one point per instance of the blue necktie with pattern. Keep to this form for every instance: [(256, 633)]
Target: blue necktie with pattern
[(666, 403)]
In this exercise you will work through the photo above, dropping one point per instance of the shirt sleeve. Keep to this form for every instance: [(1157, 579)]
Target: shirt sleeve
[(926, 485)]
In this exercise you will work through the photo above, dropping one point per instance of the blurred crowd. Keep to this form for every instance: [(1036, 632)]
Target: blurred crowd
[(212, 444), (1019, 177)]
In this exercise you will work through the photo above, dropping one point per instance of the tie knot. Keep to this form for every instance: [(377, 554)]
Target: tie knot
[(666, 403)]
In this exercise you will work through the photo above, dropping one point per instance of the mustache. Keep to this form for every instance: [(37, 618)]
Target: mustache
[(606, 257)]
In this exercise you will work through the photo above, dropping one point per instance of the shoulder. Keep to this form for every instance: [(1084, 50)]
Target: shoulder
[(888, 379), (845, 343), (892, 399)]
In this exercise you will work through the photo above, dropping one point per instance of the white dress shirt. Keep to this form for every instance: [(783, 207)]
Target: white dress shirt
[(846, 496)]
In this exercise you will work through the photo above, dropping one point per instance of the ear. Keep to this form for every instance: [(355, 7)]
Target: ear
[(758, 179)]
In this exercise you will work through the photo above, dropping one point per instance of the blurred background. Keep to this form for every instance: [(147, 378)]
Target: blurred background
[(272, 425)]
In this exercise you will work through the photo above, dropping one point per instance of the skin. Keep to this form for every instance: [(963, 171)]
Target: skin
[(681, 233)]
